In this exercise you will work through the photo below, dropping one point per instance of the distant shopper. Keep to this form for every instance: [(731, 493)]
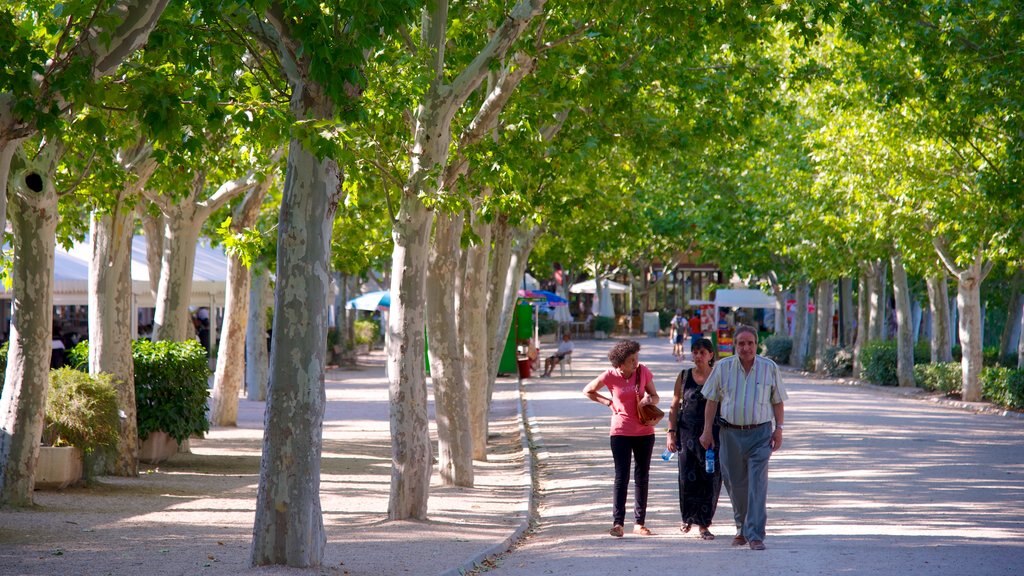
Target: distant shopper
[(695, 330), (627, 380), (749, 389), (698, 490)]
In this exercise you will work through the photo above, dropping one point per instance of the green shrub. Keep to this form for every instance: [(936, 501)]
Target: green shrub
[(367, 331), (944, 377), (777, 348), (1003, 386), (78, 356), (604, 324), (81, 411), (922, 353), (546, 325), (878, 362), (170, 388), (838, 361), (665, 318)]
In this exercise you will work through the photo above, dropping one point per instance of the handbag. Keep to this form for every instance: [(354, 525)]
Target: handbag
[(649, 414)]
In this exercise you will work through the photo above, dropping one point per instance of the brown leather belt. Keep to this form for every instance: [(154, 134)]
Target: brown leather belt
[(744, 427)]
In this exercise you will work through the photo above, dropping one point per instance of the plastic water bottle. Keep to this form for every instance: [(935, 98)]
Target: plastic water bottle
[(709, 461), (667, 455)]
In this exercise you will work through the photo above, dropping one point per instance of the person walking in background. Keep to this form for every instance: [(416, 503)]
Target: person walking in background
[(749, 389), (698, 490), (677, 334), (626, 381), (696, 333), (564, 349)]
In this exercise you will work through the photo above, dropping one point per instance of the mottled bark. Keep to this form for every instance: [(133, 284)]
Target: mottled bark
[(33, 219), (823, 340), (798, 354), (476, 336), (863, 317), (288, 527), (846, 316), (779, 291), (497, 268), (938, 300), (110, 322), (451, 403), (230, 372), (256, 353), (1014, 308), (904, 332), (969, 279), (877, 271), (182, 224)]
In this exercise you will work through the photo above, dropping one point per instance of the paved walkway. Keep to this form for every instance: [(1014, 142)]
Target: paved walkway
[(867, 482)]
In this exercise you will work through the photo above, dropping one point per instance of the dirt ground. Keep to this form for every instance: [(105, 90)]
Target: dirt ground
[(194, 513)]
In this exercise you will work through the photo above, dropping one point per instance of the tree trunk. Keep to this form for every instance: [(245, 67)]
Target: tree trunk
[(7, 149), (799, 352), (476, 336), (938, 298), (256, 352), (876, 284), (824, 324), (153, 230), (230, 372), (968, 300), (410, 441), (969, 303), (863, 318), (451, 404), (780, 304), (33, 216), (1014, 308), (904, 333), (498, 265), (847, 318), (110, 322), (289, 526), (177, 263)]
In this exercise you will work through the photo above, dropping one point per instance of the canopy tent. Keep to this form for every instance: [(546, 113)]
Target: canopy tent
[(744, 299), (590, 287), (71, 277), (371, 301)]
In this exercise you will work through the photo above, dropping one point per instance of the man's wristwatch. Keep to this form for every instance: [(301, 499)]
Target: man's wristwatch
[(779, 427)]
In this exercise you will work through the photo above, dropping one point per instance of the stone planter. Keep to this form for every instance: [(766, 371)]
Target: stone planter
[(600, 335), (547, 338), (58, 467), (157, 447), (362, 348)]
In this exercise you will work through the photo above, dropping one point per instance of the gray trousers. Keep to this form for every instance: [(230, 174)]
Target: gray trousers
[(744, 460)]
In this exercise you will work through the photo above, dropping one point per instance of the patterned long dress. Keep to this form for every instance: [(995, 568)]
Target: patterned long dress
[(698, 490)]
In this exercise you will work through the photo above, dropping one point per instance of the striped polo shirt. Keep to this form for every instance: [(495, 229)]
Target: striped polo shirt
[(745, 398)]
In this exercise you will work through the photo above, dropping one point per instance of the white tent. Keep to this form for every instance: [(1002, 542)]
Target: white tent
[(744, 299), (590, 287), (71, 277)]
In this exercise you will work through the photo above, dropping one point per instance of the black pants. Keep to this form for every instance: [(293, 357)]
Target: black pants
[(623, 449)]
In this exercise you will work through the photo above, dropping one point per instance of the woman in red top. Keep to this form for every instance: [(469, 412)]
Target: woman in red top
[(626, 380)]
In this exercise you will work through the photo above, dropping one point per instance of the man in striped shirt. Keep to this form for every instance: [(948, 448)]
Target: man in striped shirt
[(749, 389)]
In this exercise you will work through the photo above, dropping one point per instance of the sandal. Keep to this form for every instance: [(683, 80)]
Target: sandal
[(616, 531), (706, 534), (685, 528), (642, 530)]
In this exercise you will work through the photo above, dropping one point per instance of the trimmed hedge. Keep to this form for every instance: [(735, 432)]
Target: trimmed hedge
[(170, 386), (81, 411), (878, 360), (604, 324), (777, 348), (366, 331), (944, 377), (1003, 386)]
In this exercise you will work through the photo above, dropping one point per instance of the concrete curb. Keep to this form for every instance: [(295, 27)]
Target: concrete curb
[(914, 394), (475, 562)]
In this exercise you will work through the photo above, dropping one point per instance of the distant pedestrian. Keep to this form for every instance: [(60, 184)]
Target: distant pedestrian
[(749, 389), (698, 490), (677, 334), (627, 380)]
